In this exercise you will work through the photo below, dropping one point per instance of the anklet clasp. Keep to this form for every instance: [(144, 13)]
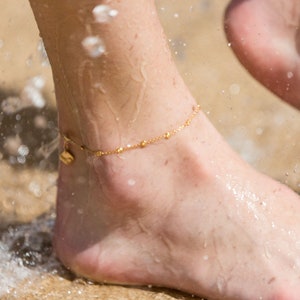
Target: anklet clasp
[(67, 157)]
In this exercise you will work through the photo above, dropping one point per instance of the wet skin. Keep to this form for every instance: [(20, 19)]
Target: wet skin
[(185, 213)]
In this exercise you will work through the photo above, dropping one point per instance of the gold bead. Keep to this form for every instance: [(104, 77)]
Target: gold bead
[(99, 153), (167, 135), (143, 144), (120, 150)]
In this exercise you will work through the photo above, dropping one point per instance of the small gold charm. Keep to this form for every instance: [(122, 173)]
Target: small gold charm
[(66, 157)]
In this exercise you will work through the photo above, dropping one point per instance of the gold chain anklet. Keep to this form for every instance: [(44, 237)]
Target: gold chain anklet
[(67, 157)]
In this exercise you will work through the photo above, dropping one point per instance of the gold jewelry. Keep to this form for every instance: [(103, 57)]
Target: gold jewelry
[(67, 157)]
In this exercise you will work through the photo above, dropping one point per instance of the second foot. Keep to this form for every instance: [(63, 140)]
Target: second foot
[(185, 214), (265, 37)]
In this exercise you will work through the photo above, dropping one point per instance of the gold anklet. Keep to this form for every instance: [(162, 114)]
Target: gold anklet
[(67, 157)]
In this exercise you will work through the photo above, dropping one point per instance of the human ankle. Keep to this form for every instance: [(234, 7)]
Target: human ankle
[(120, 91), (68, 141)]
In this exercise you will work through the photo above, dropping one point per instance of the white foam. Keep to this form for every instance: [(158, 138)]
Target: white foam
[(12, 271)]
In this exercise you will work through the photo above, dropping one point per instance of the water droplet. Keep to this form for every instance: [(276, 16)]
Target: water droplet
[(296, 169), (43, 54), (11, 105), (23, 150), (273, 225), (34, 96), (221, 285), (104, 13), (21, 160), (267, 250), (29, 61), (229, 44), (35, 188), (94, 46), (30, 96), (263, 204), (157, 260), (176, 15), (131, 182), (287, 88), (290, 75), (37, 82)]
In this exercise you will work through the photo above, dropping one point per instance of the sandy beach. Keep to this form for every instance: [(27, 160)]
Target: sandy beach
[(262, 129)]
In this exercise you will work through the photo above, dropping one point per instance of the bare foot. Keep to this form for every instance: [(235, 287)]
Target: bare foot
[(186, 214), (183, 213), (265, 37)]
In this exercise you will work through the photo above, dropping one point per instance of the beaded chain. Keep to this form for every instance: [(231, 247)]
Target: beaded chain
[(67, 157)]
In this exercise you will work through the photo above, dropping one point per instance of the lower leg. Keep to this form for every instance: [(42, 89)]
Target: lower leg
[(117, 83), (265, 37), (185, 212)]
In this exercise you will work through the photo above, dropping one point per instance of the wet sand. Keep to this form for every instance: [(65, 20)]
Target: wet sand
[(257, 125)]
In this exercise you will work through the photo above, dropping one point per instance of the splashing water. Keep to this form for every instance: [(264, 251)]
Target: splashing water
[(48, 149), (12, 272), (43, 54), (31, 95), (26, 253), (94, 46), (32, 92), (104, 13)]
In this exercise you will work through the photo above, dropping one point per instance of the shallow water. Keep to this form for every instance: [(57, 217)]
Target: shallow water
[(26, 253)]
